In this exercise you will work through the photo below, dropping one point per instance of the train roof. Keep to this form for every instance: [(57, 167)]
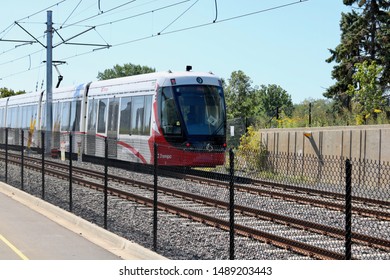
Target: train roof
[(147, 82), (68, 93), (25, 98)]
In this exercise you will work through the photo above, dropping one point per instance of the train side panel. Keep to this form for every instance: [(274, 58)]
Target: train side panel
[(68, 110), (120, 109)]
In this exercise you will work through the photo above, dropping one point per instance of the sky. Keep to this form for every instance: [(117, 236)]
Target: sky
[(282, 42)]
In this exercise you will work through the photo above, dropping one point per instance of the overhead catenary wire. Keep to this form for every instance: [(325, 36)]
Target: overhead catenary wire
[(189, 8), (103, 24), (210, 23), (162, 32), (75, 8)]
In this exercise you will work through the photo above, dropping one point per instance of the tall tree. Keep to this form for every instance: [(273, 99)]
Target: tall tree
[(274, 101), (367, 96), (364, 37), (128, 69), (239, 94)]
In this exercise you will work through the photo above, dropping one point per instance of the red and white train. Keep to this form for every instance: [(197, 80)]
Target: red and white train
[(184, 113)]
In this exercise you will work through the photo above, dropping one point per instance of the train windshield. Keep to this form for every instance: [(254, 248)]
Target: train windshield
[(202, 109)]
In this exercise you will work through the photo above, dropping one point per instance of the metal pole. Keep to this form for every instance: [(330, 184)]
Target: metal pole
[(155, 198), (43, 165), (348, 210), (49, 80), (70, 173), (6, 155), (105, 180), (231, 203), (22, 161)]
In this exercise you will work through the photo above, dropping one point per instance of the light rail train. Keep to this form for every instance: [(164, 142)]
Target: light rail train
[(182, 112)]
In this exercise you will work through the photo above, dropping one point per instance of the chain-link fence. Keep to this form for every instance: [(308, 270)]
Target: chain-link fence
[(233, 205)]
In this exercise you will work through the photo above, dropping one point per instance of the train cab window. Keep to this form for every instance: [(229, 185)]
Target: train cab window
[(102, 115), (202, 108), (170, 122)]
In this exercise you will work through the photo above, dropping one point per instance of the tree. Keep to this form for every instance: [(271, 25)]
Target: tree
[(239, 94), (364, 37), (274, 101), (367, 95), (127, 69), (5, 92), (319, 111)]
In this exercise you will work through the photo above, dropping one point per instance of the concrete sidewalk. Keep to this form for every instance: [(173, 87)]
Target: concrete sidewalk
[(31, 228)]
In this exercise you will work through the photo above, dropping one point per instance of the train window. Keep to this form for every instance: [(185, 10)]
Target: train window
[(56, 112), (43, 116), (75, 113), (13, 121), (170, 122), (24, 114), (33, 116), (92, 115), (202, 108), (147, 114), (1, 117), (102, 115), (65, 116), (137, 115), (113, 112), (28, 117), (125, 108)]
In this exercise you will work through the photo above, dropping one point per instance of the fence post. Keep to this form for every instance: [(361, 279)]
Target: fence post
[(105, 180), (22, 161), (70, 173), (348, 210), (6, 155), (231, 204), (155, 170), (43, 164)]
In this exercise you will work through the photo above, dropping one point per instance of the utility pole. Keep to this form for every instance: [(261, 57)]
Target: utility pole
[(49, 81)]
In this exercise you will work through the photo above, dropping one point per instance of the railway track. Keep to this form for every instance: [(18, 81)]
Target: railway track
[(251, 222)]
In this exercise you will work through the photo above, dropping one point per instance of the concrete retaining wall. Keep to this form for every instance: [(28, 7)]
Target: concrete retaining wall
[(355, 142)]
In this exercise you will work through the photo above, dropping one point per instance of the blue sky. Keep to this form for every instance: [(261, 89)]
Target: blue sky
[(286, 46)]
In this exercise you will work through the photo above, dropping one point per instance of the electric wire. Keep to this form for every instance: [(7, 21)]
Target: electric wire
[(71, 13), (162, 32), (99, 14), (189, 8), (143, 13)]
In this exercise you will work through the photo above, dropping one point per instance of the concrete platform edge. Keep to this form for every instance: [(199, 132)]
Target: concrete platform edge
[(115, 244)]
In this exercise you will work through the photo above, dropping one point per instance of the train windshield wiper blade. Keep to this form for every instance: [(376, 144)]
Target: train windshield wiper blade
[(221, 125)]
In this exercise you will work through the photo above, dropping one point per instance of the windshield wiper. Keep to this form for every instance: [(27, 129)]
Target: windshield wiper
[(221, 125)]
